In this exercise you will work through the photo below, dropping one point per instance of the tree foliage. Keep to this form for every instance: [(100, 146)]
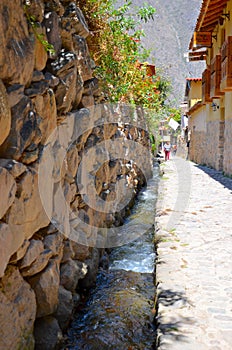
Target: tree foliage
[(116, 47)]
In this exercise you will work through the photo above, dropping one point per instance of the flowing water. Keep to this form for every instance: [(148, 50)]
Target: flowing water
[(119, 311)]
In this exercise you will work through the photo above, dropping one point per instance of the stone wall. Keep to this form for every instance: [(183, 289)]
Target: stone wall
[(198, 150), (198, 135), (64, 159), (211, 136), (227, 147), (213, 144), (206, 146)]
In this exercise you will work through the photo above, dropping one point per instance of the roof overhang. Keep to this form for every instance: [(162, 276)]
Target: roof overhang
[(199, 55), (210, 13), (194, 79), (188, 84), (195, 107)]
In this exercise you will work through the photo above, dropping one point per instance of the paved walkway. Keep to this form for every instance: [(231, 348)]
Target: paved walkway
[(194, 268)]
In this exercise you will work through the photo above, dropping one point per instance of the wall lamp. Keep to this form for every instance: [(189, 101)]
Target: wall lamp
[(214, 106)]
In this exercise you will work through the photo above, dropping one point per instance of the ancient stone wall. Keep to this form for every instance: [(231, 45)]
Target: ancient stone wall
[(198, 135), (64, 159), (227, 147), (213, 144), (198, 151), (205, 144)]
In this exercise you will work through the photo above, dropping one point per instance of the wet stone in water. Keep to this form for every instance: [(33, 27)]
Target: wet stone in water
[(118, 314)]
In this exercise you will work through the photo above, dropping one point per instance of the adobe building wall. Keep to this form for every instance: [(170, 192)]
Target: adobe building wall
[(227, 161)]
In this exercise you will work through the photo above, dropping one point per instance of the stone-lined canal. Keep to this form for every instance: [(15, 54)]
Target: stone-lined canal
[(119, 312)]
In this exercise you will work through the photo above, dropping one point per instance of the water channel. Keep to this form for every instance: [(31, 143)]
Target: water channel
[(119, 311)]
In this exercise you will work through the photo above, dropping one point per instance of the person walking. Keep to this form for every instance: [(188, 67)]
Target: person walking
[(167, 150), (174, 149), (188, 146)]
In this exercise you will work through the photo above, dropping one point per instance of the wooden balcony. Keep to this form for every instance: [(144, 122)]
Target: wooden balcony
[(215, 79), (206, 86), (226, 65)]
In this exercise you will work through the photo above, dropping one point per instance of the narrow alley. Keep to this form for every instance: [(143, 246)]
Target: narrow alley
[(194, 276)]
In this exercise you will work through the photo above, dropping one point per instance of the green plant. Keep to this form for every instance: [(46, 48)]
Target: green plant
[(172, 231), (116, 48), (184, 244), (34, 25), (175, 113)]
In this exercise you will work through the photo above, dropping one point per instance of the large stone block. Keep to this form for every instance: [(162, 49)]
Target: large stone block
[(82, 125), (65, 307), (92, 263), (28, 214), (73, 160), (17, 312), (19, 254), (16, 169), (227, 166), (6, 239), (41, 54), (46, 287), (15, 93), (51, 23), (87, 100), (64, 67), (54, 242), (77, 20), (79, 91), (47, 333), (17, 58), (45, 106), (81, 252), (36, 9), (25, 134), (5, 114), (71, 272), (56, 6), (83, 57), (7, 190), (38, 265), (66, 33), (212, 144), (68, 252), (34, 250)]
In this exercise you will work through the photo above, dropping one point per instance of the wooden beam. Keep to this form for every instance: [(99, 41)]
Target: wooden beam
[(197, 58), (197, 53), (210, 8), (210, 12), (202, 13), (214, 14), (218, 2)]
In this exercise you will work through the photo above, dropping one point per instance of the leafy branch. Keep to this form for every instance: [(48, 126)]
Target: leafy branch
[(40, 36), (120, 57)]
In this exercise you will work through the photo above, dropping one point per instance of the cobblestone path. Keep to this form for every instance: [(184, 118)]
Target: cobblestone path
[(194, 267)]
